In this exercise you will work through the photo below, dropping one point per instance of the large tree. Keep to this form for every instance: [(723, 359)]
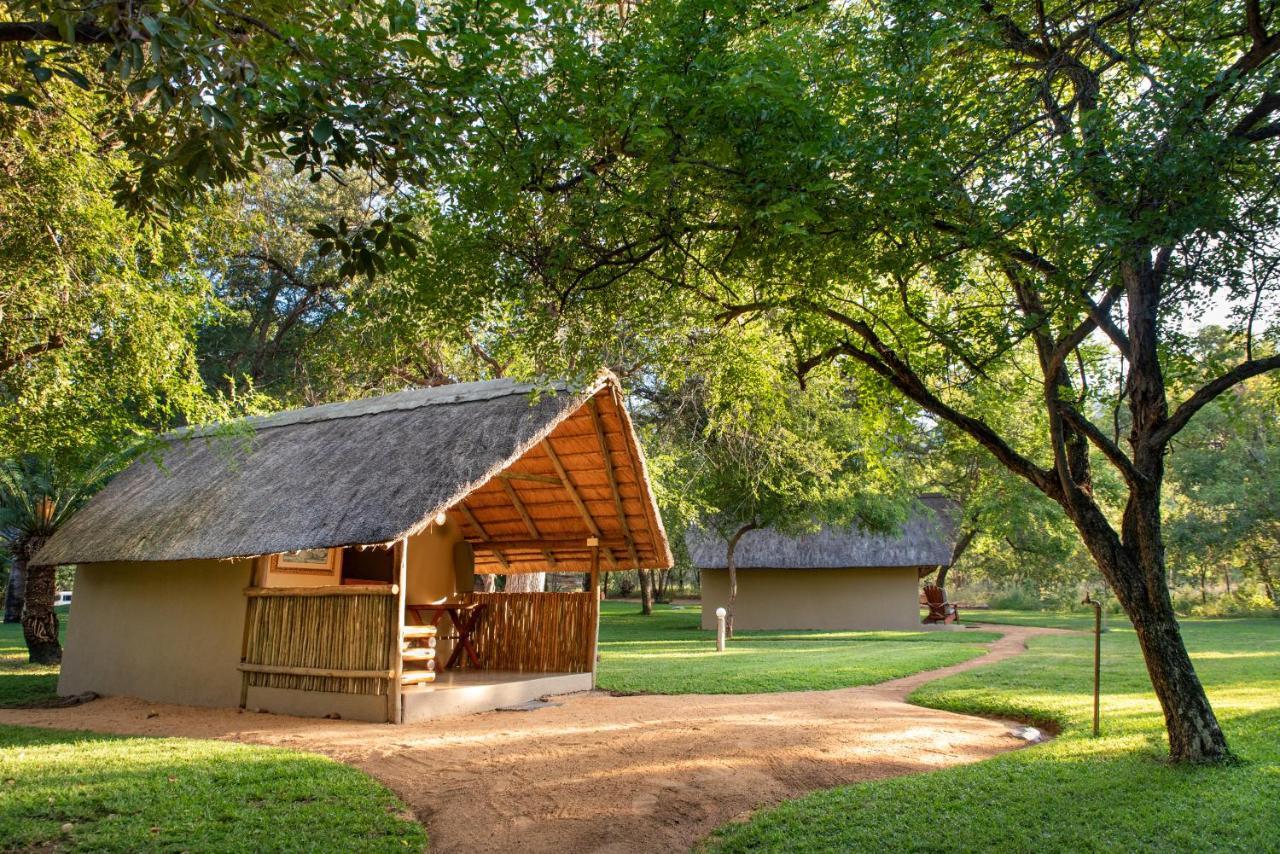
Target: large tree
[(918, 192)]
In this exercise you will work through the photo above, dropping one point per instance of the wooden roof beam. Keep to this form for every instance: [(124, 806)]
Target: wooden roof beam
[(528, 520), (524, 475), (613, 483), (567, 545), (573, 494), (484, 535)]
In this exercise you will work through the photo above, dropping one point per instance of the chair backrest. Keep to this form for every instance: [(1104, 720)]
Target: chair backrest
[(935, 594)]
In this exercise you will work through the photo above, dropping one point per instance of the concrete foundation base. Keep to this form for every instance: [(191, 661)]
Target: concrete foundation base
[(317, 704), (462, 692)]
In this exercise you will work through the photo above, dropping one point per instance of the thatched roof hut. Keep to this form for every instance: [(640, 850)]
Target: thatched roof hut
[(924, 540), (521, 462), (317, 561), (836, 578)]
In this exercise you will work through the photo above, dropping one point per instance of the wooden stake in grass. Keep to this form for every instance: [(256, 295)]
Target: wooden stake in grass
[(1097, 659)]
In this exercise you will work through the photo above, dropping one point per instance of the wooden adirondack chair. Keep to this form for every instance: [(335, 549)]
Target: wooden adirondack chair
[(940, 610)]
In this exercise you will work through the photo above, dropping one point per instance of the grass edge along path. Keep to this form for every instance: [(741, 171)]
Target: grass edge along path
[(669, 653), (81, 791), (1074, 793), (65, 790)]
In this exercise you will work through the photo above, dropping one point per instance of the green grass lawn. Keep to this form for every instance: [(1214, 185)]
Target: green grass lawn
[(79, 791), (1081, 619), (23, 684), (1075, 793), (668, 653)]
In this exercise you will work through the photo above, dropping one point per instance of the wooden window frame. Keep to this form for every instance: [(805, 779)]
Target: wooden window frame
[(331, 569)]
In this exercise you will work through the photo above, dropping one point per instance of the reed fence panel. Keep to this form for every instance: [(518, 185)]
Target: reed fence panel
[(534, 632), (333, 633)]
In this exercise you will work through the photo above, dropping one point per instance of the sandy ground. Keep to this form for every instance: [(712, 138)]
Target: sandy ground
[(603, 773)]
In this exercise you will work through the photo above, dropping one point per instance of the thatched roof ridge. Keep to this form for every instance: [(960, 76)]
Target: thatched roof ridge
[(367, 471), (415, 398), (924, 540)]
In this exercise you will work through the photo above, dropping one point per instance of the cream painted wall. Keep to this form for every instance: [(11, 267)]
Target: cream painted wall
[(847, 599), (429, 563), (163, 631)]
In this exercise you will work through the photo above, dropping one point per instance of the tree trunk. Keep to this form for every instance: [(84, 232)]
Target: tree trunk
[(526, 582), (39, 620), (661, 584), (489, 582), (731, 562), (646, 591), (1135, 571), (1194, 734), (16, 590), (962, 544), (1264, 575), (1226, 574)]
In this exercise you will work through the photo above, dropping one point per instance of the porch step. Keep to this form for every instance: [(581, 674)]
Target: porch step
[(418, 653), (417, 677), (419, 632)]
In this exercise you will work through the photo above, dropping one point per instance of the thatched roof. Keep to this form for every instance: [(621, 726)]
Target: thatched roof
[(373, 471), (924, 540)]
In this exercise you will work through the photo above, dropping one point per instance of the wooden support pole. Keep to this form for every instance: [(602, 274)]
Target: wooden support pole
[(348, 590), (522, 475), (314, 671), (244, 651), (394, 686), (576, 545), (595, 608)]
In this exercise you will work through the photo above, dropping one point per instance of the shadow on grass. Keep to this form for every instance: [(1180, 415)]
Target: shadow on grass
[(1117, 792)]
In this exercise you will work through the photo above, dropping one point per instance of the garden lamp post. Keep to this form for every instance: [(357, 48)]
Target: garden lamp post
[(720, 615)]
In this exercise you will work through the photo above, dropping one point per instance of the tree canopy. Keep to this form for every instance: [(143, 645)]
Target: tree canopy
[(999, 216), (920, 194)]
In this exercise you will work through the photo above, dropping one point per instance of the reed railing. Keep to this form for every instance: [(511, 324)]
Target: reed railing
[(339, 639), (534, 632)]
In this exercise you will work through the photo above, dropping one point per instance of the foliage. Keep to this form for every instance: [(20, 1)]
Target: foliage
[(668, 653), (1224, 475), (197, 95), (79, 791), (292, 326), (1075, 793), (752, 448), (97, 314), (925, 196), (36, 496)]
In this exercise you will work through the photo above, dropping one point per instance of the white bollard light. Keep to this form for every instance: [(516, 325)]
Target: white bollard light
[(721, 613)]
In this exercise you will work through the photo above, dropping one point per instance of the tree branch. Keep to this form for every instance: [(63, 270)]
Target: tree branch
[(1101, 441), (1207, 392), (8, 360), (1099, 318), (885, 362)]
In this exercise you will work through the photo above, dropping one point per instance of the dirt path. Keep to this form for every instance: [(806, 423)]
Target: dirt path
[(603, 773)]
